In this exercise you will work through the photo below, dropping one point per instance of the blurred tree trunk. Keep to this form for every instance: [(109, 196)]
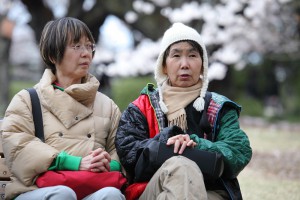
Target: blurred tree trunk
[(4, 75), (6, 28), (151, 26), (40, 15)]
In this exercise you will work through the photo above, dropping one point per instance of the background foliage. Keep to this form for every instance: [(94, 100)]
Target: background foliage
[(253, 46)]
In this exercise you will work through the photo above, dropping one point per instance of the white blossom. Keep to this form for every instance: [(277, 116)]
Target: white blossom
[(217, 71)]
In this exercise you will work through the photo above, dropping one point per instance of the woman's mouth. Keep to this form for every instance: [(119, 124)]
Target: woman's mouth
[(184, 76)]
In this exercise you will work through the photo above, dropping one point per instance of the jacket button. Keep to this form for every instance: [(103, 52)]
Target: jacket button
[(60, 134), (89, 135), (76, 118)]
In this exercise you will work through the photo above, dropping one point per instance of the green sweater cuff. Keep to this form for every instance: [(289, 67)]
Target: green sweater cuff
[(65, 161), (201, 144), (115, 165)]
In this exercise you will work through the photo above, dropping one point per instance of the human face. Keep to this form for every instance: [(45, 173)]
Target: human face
[(183, 65), (75, 64)]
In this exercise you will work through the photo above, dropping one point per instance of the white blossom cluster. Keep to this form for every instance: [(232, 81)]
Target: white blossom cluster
[(244, 30), (263, 27)]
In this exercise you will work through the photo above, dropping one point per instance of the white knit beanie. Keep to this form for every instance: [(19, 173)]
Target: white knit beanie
[(178, 32)]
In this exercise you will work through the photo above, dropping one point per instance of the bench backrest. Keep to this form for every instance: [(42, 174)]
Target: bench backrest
[(1, 149), (4, 172)]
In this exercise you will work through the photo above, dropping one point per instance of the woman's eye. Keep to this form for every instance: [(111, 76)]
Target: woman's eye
[(77, 46), (88, 46)]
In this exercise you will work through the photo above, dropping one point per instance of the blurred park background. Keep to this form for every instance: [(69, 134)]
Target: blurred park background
[(254, 59), (253, 46)]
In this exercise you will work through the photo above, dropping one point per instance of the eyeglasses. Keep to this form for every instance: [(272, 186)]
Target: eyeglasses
[(80, 48)]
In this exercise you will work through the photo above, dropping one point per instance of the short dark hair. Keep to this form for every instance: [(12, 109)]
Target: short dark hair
[(57, 34)]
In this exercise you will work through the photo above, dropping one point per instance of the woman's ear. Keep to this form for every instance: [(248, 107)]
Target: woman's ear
[(164, 69), (52, 60)]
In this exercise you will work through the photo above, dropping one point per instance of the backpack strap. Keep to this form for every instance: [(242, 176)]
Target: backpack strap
[(204, 123), (37, 114)]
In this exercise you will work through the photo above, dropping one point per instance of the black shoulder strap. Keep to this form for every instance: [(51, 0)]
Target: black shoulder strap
[(204, 123), (37, 114)]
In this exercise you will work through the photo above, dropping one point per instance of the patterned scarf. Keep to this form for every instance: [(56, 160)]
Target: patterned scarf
[(176, 99)]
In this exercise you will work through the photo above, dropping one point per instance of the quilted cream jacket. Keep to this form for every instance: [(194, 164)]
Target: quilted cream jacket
[(76, 121)]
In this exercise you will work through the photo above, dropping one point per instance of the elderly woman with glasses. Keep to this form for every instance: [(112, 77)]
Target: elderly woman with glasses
[(79, 122)]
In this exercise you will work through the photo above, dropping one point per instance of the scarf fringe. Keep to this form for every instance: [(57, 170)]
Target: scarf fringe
[(179, 121)]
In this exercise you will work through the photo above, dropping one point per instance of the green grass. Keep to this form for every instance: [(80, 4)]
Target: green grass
[(16, 86), (125, 90), (266, 140), (250, 106), (273, 172), (255, 185)]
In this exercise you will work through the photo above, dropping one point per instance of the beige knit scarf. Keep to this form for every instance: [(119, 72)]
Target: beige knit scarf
[(176, 99)]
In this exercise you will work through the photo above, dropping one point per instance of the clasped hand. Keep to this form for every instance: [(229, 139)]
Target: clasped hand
[(97, 161), (180, 142)]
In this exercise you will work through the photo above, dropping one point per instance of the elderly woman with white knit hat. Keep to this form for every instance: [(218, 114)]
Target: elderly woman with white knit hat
[(182, 115)]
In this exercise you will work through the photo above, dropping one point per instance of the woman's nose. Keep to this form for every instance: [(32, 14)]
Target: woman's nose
[(184, 63)]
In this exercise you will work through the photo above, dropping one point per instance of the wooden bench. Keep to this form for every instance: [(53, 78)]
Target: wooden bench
[(4, 172)]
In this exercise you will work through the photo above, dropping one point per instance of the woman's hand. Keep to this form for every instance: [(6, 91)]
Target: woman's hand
[(181, 141), (97, 161)]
